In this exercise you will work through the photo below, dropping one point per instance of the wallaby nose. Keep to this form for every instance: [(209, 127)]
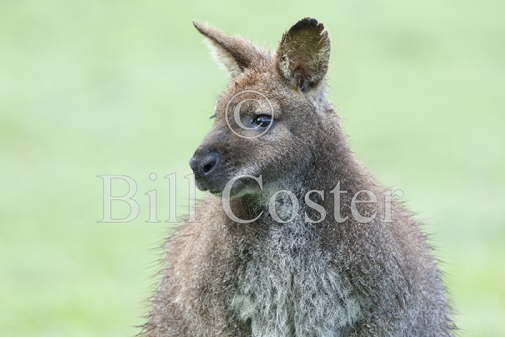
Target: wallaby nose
[(203, 165)]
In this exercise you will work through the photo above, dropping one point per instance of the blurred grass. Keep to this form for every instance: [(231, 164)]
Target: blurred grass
[(95, 87)]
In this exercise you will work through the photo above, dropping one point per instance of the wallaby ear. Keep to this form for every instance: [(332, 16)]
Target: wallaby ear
[(303, 54), (234, 53)]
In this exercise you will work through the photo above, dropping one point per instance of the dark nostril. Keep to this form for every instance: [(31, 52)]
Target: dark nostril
[(209, 162), (204, 164), (208, 167)]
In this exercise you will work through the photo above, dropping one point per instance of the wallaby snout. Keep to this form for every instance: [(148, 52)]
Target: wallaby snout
[(206, 165)]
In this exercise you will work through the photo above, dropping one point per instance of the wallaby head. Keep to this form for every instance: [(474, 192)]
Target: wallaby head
[(269, 119)]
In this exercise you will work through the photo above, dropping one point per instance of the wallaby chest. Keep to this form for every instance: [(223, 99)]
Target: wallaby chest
[(288, 288)]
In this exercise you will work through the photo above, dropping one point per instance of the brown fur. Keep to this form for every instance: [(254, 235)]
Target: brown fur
[(222, 278)]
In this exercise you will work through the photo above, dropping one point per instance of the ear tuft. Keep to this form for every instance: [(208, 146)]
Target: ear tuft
[(307, 24), (235, 53), (304, 53)]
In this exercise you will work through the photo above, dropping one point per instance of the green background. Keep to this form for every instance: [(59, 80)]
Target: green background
[(126, 87)]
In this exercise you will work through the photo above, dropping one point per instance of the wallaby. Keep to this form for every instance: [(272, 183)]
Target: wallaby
[(296, 238)]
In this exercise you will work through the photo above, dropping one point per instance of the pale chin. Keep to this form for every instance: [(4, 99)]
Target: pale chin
[(239, 190)]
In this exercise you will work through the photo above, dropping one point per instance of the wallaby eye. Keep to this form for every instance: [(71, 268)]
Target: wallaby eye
[(262, 121)]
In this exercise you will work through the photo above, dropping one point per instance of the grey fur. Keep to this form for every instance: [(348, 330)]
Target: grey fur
[(294, 279)]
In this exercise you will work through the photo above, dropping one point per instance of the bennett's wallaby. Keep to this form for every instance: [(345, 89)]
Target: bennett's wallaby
[(296, 237)]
